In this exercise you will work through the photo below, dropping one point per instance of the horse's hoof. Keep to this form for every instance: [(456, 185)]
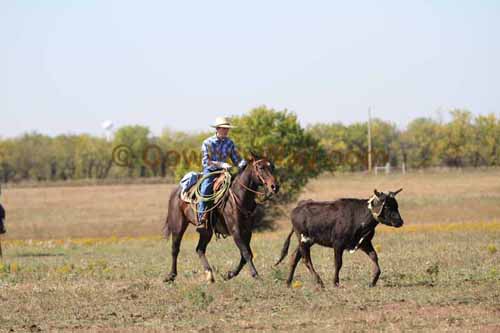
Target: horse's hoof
[(210, 276), (169, 278), (229, 276)]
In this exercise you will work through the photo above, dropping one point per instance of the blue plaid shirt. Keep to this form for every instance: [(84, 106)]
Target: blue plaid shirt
[(215, 151)]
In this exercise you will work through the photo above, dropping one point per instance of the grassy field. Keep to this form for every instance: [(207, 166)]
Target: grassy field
[(91, 259)]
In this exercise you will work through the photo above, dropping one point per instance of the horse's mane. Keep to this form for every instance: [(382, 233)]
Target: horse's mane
[(240, 172)]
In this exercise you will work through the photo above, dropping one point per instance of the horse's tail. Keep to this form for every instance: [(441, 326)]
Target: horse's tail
[(284, 250), (172, 202), (166, 229)]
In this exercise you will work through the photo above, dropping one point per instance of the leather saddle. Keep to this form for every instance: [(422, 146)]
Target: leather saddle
[(189, 196)]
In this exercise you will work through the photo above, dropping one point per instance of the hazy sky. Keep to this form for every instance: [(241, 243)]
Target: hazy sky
[(66, 66)]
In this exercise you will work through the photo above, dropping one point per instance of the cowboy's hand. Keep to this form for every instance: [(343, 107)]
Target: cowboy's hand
[(242, 164), (226, 166)]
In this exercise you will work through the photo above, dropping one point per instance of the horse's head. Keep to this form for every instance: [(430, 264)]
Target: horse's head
[(262, 173)]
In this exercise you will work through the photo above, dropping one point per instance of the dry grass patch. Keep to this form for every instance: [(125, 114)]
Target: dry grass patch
[(429, 281), (92, 258)]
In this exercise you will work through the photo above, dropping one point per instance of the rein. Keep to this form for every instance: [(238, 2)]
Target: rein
[(235, 198), (249, 189), (254, 166), (237, 202)]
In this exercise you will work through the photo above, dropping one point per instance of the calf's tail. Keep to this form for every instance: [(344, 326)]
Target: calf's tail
[(284, 250)]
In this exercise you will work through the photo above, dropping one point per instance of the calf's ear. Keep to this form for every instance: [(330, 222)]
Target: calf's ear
[(398, 191), (377, 193)]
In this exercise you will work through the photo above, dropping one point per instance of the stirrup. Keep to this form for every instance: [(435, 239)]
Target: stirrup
[(203, 221), (202, 225)]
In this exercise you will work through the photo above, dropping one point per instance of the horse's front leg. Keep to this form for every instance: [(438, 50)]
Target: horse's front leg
[(205, 237), (242, 241), (239, 267)]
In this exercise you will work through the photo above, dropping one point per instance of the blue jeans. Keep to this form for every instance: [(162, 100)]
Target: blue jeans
[(207, 188)]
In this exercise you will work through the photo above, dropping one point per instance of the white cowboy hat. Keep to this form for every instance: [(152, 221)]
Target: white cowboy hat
[(222, 122)]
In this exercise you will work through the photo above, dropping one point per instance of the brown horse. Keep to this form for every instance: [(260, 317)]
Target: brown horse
[(234, 217)]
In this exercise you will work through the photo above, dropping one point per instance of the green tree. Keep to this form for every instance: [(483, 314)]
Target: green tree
[(459, 145), (92, 157), (297, 155), (33, 158), (64, 157), (385, 143), (423, 139), (181, 152), (277, 135), (7, 165), (134, 140), (486, 140), (356, 157), (334, 139)]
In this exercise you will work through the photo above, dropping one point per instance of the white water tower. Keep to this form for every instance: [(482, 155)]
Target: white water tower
[(107, 126)]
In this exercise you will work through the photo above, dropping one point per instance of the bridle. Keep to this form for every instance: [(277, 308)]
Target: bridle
[(254, 166), (235, 198)]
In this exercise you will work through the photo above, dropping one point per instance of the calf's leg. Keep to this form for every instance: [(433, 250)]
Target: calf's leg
[(294, 260), (367, 248), (305, 249), (338, 265)]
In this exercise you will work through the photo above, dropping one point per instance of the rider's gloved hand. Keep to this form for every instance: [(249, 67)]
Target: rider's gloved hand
[(242, 164), (226, 166)]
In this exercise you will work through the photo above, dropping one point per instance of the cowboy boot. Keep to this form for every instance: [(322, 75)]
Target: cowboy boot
[(202, 222)]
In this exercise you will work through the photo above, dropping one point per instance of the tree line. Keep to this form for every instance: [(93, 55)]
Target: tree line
[(300, 153)]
